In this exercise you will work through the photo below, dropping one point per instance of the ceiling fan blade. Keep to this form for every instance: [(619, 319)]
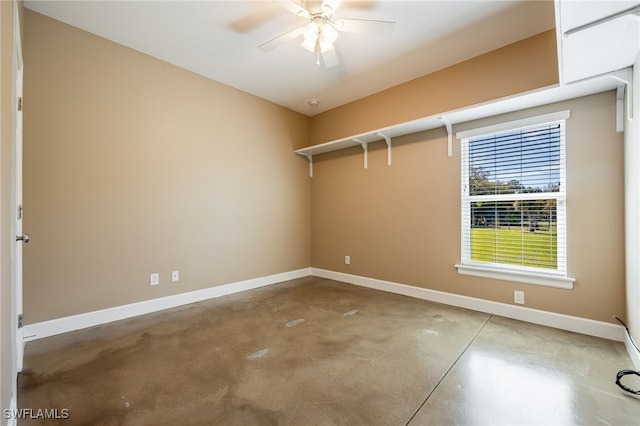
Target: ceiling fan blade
[(293, 7), (254, 20), (330, 58), (359, 4), (281, 39), (380, 28), (329, 7)]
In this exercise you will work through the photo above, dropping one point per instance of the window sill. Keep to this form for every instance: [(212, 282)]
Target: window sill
[(521, 277)]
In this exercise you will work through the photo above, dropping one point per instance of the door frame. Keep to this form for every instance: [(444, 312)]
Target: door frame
[(16, 252)]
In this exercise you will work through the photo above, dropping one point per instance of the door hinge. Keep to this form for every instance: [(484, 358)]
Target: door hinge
[(20, 103), (20, 321)]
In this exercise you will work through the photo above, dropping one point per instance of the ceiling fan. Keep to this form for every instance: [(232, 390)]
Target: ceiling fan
[(321, 32)]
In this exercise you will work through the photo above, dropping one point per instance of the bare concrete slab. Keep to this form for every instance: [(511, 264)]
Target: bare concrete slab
[(318, 352)]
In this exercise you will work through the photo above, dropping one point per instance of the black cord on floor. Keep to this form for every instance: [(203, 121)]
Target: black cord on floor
[(623, 373)]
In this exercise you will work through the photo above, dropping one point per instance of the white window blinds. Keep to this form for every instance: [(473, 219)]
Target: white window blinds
[(513, 197)]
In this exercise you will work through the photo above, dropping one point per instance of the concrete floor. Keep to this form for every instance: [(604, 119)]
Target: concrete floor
[(317, 352)]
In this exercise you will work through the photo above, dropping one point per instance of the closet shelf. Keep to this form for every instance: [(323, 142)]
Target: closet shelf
[(447, 119), (364, 139), (373, 136)]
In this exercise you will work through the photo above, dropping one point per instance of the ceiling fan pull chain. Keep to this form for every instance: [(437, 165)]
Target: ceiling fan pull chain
[(318, 51)]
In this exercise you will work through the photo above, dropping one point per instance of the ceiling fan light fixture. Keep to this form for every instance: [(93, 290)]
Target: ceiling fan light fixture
[(311, 31), (329, 33), (309, 45), (310, 34), (324, 45), (321, 32), (319, 35)]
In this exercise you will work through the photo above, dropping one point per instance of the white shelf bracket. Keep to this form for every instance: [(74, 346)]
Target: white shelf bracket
[(387, 139), (625, 79), (365, 148), (620, 108), (447, 124), (310, 158)]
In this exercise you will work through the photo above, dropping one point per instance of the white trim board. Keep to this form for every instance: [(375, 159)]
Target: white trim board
[(90, 319), (535, 316), (13, 407), (633, 353)]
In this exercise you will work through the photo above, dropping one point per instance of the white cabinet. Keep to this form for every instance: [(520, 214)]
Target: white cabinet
[(596, 37)]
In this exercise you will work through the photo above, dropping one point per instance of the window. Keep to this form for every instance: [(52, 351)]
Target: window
[(513, 201)]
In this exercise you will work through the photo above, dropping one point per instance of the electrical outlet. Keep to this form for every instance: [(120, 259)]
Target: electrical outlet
[(175, 276), (347, 260), (154, 279), (518, 297)]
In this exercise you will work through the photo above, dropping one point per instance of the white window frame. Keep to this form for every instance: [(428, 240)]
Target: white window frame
[(502, 271)]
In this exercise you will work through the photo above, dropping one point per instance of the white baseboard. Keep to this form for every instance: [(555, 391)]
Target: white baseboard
[(550, 319), (90, 319), (633, 352)]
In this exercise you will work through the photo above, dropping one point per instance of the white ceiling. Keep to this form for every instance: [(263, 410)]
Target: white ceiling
[(219, 39)]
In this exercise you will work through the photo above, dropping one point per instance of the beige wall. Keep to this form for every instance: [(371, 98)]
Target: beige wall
[(402, 223), (134, 166), (519, 67)]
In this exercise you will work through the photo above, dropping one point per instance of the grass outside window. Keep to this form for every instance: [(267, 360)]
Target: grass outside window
[(516, 245)]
